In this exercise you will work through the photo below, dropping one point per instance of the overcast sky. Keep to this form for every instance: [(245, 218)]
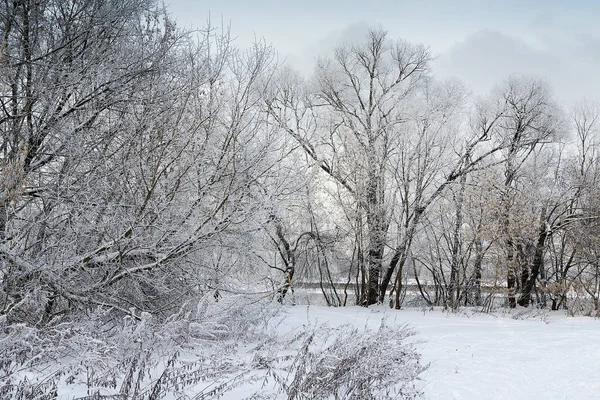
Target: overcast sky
[(480, 42)]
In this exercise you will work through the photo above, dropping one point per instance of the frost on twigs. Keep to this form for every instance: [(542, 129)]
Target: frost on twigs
[(349, 363), (234, 347), (196, 350)]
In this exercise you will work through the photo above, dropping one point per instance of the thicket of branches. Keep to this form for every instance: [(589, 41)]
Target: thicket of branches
[(143, 168), (423, 193)]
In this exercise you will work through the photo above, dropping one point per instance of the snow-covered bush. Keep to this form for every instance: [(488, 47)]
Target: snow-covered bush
[(205, 350), (134, 357), (348, 363)]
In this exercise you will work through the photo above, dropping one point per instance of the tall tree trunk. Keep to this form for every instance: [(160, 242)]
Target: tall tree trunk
[(537, 264), (511, 275), (377, 231), (361, 273), (289, 259), (477, 272), (289, 272), (452, 301), (399, 259), (375, 256)]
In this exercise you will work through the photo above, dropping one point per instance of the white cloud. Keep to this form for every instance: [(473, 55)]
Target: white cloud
[(487, 57), (481, 42)]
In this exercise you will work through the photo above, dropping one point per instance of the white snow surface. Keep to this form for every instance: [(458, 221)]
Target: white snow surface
[(472, 356), (519, 355)]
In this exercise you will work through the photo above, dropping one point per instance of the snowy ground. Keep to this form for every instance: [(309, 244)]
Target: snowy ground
[(488, 356), (519, 355)]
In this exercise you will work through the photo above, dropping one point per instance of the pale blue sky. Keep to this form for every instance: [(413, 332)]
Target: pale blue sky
[(480, 42)]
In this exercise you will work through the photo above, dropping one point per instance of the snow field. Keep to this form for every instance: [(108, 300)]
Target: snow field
[(477, 356)]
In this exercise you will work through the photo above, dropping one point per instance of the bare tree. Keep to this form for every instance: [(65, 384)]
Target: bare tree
[(389, 137), (359, 97), (529, 120), (128, 150), (573, 231)]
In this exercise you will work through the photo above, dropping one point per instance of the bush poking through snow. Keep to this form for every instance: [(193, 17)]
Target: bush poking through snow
[(133, 358), (205, 350), (347, 363)]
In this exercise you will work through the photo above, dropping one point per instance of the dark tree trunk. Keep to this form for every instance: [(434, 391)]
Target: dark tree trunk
[(287, 285), (377, 230), (375, 256), (477, 272), (511, 278), (536, 266), (399, 259), (289, 259), (389, 272)]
